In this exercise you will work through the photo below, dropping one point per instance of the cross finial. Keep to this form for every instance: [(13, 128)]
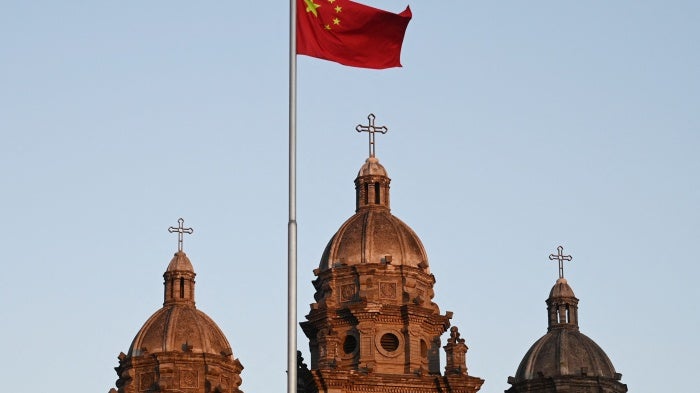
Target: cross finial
[(181, 230), (371, 129), (561, 258)]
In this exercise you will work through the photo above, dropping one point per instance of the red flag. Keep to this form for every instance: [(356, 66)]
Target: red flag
[(350, 33)]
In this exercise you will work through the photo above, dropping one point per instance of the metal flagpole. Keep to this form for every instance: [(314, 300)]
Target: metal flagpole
[(292, 225)]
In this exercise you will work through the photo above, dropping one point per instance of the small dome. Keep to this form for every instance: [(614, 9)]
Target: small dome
[(561, 289), (372, 167), (180, 263), (180, 328), (564, 352), (374, 236)]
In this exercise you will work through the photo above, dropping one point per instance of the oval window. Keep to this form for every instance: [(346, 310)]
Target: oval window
[(349, 344)]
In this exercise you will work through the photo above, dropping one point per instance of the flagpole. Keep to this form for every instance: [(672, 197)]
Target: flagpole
[(292, 225)]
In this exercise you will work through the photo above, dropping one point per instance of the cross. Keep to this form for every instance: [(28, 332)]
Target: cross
[(371, 129), (180, 231), (561, 258)]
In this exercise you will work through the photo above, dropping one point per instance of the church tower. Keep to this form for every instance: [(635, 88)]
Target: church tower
[(179, 348), (564, 359), (374, 327)]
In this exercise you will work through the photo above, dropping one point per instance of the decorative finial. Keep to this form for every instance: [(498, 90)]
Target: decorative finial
[(561, 258), (371, 129), (455, 336), (181, 230)]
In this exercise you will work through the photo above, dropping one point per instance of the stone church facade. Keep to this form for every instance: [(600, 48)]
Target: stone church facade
[(373, 326)]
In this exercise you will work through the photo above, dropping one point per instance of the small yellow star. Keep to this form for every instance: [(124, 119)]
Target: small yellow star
[(328, 27), (338, 9), (336, 21), (331, 1)]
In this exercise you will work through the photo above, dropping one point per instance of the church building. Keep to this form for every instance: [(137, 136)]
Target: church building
[(373, 325), (179, 348)]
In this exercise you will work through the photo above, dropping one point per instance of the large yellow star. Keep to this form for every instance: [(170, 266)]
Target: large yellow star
[(311, 7)]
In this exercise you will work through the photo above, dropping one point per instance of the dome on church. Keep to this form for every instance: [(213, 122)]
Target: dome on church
[(179, 325), (180, 262), (179, 348), (561, 289), (373, 234), (372, 167), (564, 352), (374, 237), (180, 328)]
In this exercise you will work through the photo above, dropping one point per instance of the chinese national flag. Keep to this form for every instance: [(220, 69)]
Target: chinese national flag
[(350, 33)]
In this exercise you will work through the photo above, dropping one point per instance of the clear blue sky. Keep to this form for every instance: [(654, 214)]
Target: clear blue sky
[(513, 127)]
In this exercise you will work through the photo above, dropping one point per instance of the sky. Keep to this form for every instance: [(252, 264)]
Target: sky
[(514, 127)]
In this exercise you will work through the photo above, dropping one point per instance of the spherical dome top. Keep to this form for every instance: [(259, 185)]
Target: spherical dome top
[(561, 289), (374, 236), (180, 262), (564, 352), (372, 167), (180, 328)]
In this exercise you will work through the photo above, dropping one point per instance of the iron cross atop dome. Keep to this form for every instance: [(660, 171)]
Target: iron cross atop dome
[(181, 230), (371, 129), (561, 258)]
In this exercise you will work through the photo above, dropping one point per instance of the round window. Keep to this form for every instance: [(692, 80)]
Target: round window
[(389, 342)]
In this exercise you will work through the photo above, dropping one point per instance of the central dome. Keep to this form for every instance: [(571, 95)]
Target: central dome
[(373, 234)]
